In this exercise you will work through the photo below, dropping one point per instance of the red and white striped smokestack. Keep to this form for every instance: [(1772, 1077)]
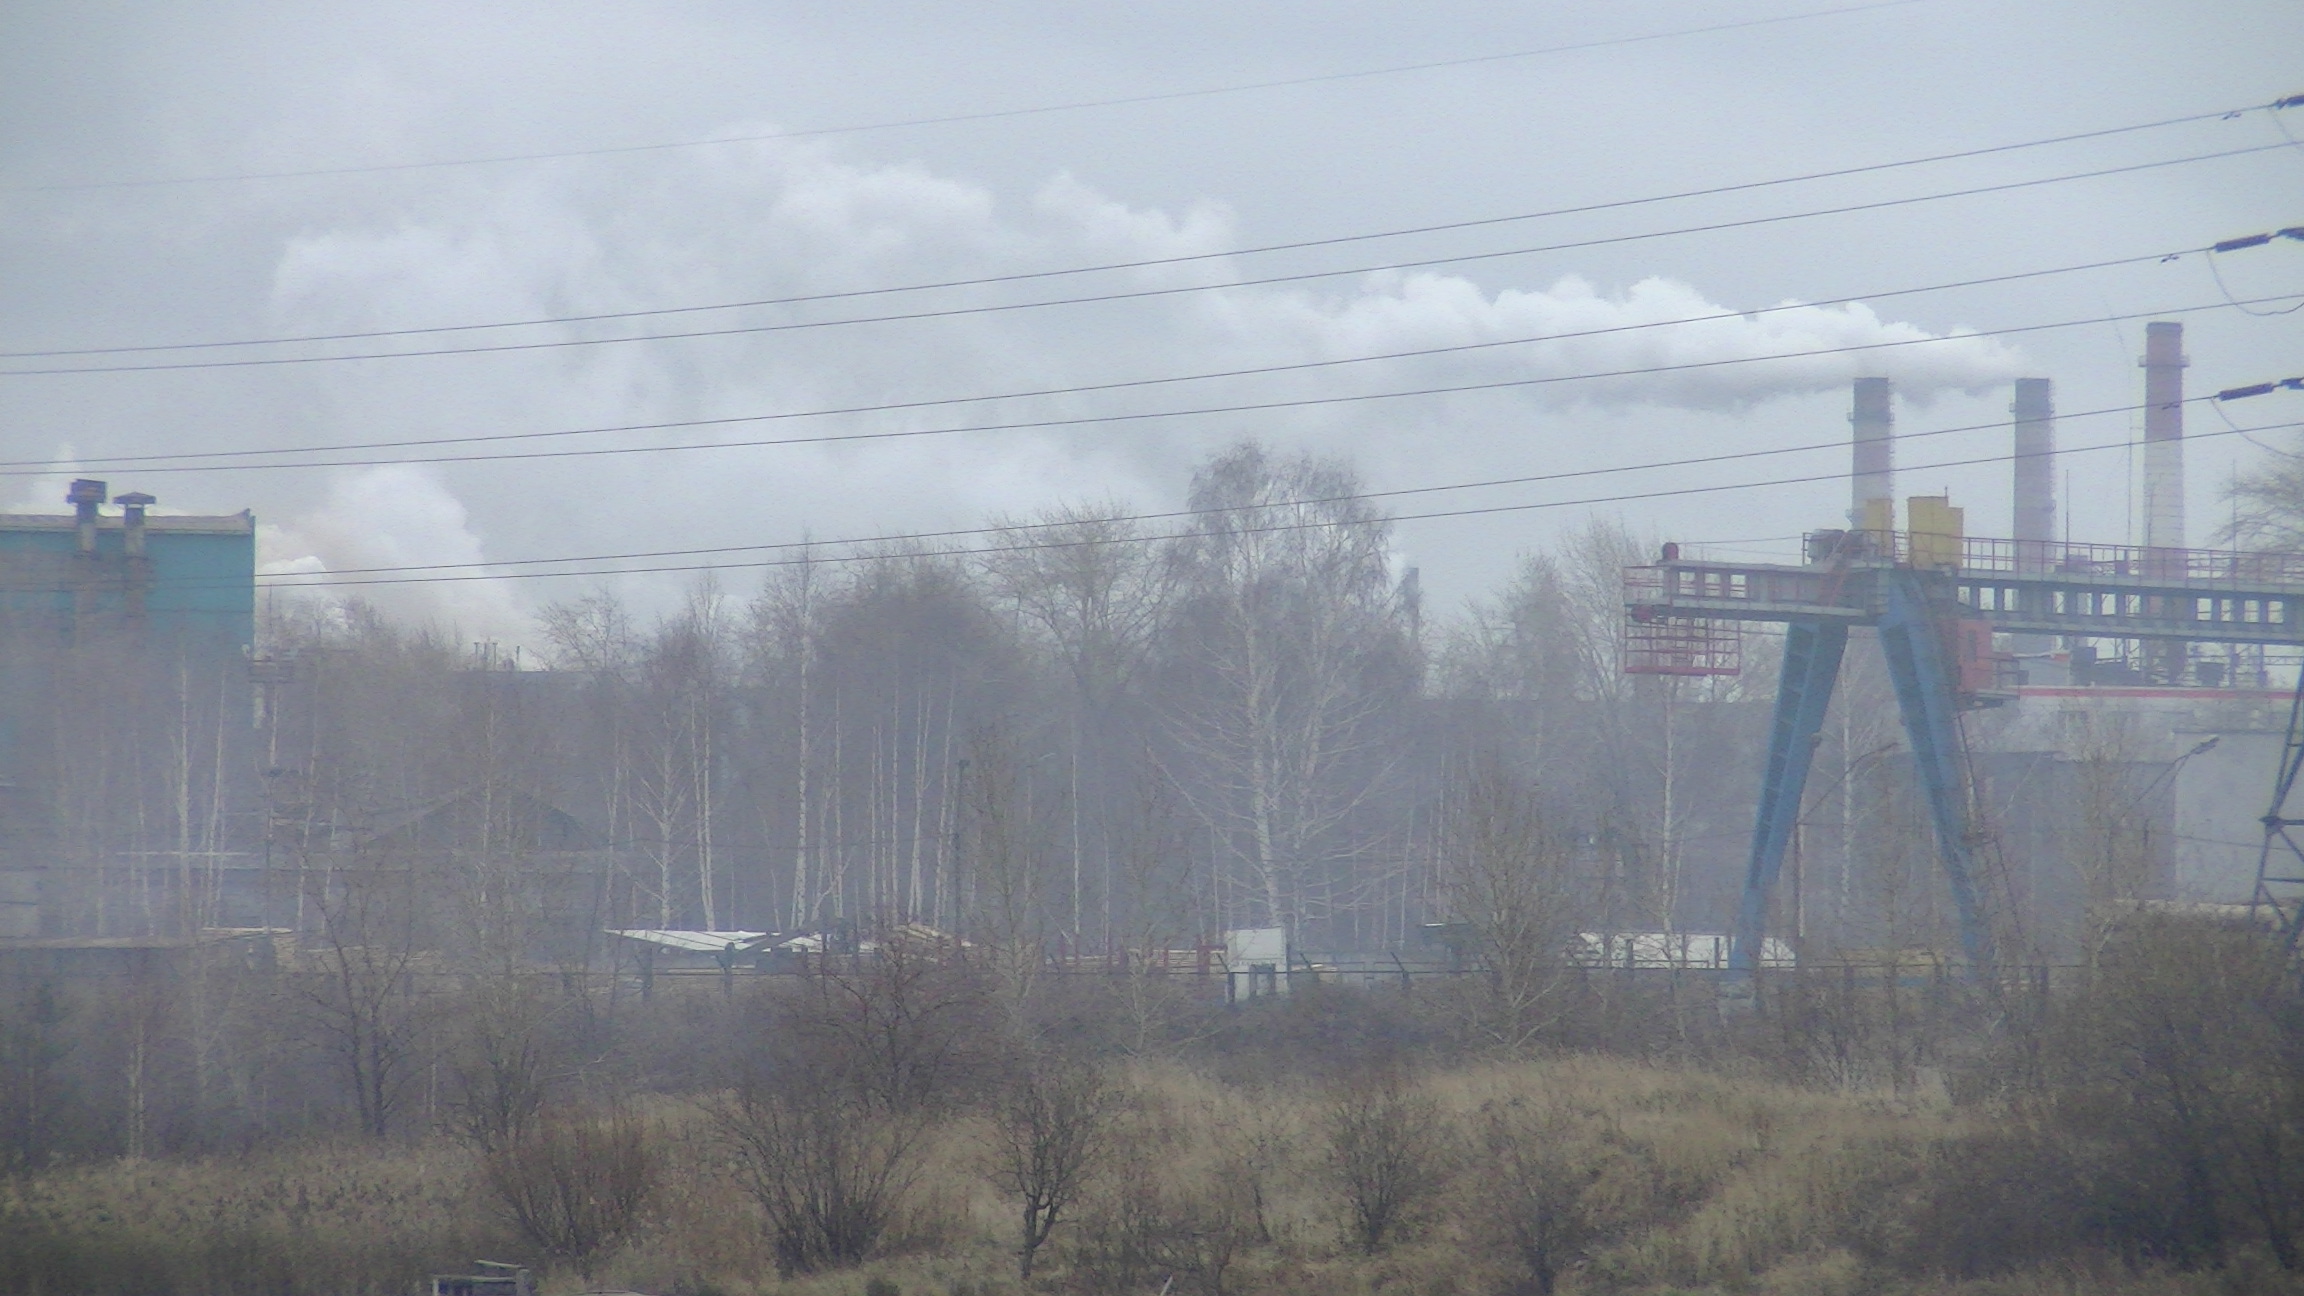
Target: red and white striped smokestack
[(1874, 478), (2035, 471), (2164, 434)]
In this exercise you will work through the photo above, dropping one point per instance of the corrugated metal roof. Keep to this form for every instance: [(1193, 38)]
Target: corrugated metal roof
[(696, 942)]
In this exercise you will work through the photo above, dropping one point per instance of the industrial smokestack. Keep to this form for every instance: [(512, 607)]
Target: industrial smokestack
[(1872, 504), (2164, 663), (2035, 471), (2164, 434)]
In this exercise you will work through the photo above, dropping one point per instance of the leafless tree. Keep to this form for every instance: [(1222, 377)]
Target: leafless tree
[(1538, 1203), (361, 1000), (574, 1183), (2268, 504), (499, 1057), (1050, 1124), (1290, 651), (683, 678), (828, 1163), (1007, 888), (1391, 1150), (1083, 579), (2180, 1090), (1509, 880)]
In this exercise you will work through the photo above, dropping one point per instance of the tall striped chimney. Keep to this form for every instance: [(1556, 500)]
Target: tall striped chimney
[(2164, 434), (2035, 471), (1873, 484)]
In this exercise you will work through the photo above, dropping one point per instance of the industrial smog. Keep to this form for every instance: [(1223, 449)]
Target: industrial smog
[(741, 651)]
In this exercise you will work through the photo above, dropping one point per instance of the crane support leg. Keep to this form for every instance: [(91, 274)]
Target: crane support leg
[(1812, 652), (1921, 669)]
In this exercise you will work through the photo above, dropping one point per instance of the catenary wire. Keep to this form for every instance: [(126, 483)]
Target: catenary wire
[(1395, 493), (461, 572), (1136, 294), (1140, 264), (810, 547), (1722, 316), (954, 119), (170, 464)]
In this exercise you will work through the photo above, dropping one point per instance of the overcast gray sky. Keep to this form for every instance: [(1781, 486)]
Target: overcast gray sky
[(98, 94)]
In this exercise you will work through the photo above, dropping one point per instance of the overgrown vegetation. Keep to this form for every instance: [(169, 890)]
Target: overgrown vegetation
[(1003, 805), (909, 1121)]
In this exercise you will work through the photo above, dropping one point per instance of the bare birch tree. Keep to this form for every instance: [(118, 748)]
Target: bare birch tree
[(1290, 651)]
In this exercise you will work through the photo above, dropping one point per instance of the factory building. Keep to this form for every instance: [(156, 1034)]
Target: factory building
[(125, 714)]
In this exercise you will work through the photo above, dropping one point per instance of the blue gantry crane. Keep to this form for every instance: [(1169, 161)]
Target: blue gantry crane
[(1935, 597)]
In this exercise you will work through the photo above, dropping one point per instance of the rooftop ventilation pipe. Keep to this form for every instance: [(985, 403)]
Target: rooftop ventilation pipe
[(85, 496), (132, 506)]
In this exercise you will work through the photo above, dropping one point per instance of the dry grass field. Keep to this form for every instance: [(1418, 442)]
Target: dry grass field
[(947, 1130), (1686, 1181)]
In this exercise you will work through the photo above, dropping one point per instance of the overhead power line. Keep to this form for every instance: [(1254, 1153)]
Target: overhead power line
[(233, 460), (462, 572), (1692, 461), (1141, 263), (1137, 294), (813, 549), (954, 119)]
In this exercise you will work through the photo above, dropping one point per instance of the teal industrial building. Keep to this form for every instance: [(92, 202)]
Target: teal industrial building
[(125, 737)]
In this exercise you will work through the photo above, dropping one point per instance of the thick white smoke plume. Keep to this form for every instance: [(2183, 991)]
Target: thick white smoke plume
[(760, 221)]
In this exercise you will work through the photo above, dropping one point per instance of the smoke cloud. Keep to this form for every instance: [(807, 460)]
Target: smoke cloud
[(781, 219)]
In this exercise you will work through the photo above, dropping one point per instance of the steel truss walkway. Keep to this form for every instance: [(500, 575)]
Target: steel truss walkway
[(1936, 601)]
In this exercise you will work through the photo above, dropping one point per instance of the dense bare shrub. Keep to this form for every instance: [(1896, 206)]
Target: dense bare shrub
[(829, 1166), (499, 1062), (852, 1069), (1390, 1148), (2180, 1090), (34, 1098), (1537, 1204), (1974, 1206), (914, 1027), (1152, 1235), (1050, 1129), (574, 1184)]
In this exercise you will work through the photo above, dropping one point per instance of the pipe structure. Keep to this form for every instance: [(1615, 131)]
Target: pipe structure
[(86, 497), (132, 506), (2164, 364), (2034, 463), (2035, 475), (1874, 479), (2163, 502)]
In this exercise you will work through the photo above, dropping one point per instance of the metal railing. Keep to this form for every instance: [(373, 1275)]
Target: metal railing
[(1985, 554)]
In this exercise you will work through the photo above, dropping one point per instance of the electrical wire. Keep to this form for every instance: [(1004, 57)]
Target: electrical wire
[(1722, 316), (2217, 273), (882, 551), (1694, 461), (207, 461), (964, 118), (461, 572), (1137, 294), (1143, 263)]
